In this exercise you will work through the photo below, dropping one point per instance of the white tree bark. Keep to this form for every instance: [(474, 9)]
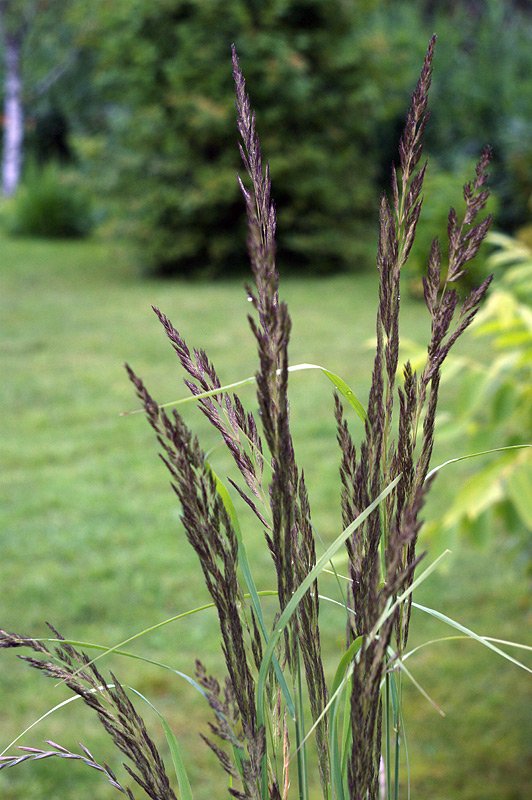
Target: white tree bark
[(13, 117)]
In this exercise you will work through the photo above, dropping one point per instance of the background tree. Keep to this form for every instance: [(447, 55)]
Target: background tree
[(484, 94), (315, 71), (40, 40)]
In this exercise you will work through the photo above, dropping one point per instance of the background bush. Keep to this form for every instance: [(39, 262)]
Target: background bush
[(148, 80), (483, 95), (331, 81), (49, 205), (316, 69)]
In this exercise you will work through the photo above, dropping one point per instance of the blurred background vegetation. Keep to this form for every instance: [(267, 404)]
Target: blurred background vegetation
[(130, 147), (135, 100)]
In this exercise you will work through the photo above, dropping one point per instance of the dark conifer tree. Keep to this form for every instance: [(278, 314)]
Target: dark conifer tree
[(311, 79)]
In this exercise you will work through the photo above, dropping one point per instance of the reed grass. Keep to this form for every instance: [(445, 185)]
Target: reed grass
[(276, 696)]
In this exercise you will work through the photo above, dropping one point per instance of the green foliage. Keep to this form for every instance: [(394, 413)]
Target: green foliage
[(338, 76), (50, 206), (317, 72), (493, 408), (483, 95)]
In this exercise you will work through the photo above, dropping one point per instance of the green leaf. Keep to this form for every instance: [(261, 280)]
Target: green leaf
[(486, 641), (347, 393), (519, 485), (142, 633), (340, 679), (36, 722), (177, 759), (340, 384), (475, 455), (346, 659)]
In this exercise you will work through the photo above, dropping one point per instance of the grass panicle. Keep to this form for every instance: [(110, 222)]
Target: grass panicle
[(110, 702), (211, 534), (57, 751), (382, 552)]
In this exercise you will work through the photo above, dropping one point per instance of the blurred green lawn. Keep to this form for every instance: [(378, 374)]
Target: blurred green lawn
[(90, 537)]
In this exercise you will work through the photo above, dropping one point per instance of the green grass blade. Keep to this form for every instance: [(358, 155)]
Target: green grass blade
[(519, 645), (142, 633), (125, 654), (340, 384), (475, 455), (33, 724), (471, 634), (510, 644), (115, 648), (337, 781), (242, 554), (300, 737), (344, 662), (347, 736), (390, 607), (332, 699), (344, 670), (341, 678), (306, 584), (347, 393), (421, 690), (343, 674), (402, 729), (397, 755), (195, 397), (177, 759), (387, 727)]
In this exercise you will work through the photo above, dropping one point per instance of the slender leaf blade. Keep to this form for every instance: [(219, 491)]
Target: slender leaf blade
[(175, 751)]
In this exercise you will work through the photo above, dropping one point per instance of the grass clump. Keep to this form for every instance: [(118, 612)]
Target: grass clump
[(277, 693)]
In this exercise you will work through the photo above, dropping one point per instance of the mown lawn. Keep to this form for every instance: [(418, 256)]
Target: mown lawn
[(90, 537)]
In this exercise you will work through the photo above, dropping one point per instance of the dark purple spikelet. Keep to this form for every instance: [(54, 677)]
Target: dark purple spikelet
[(114, 709), (237, 428), (260, 209), (211, 534), (57, 751)]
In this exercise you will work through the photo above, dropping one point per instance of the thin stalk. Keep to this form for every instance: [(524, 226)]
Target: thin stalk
[(300, 736), (398, 728), (396, 776), (387, 702)]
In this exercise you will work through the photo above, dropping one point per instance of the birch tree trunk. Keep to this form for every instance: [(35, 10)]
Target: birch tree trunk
[(13, 116)]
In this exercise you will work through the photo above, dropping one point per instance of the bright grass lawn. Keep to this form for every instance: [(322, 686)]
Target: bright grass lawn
[(90, 536)]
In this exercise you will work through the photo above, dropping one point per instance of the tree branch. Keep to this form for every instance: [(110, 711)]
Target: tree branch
[(56, 73)]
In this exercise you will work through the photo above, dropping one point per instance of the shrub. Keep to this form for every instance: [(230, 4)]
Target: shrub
[(276, 677), (484, 92), (49, 206), (493, 408)]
